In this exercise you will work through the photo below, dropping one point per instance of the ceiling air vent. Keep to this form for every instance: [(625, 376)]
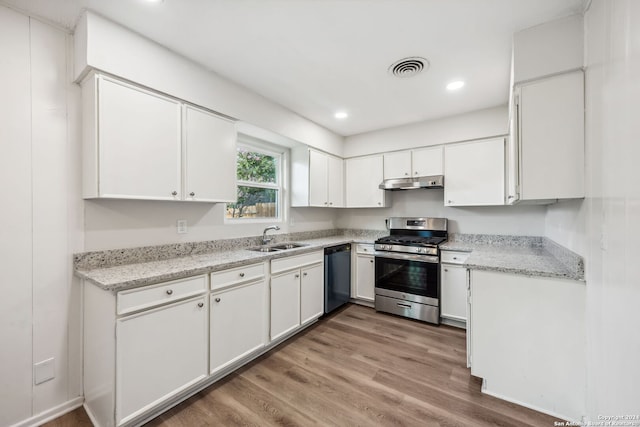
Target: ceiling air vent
[(408, 67)]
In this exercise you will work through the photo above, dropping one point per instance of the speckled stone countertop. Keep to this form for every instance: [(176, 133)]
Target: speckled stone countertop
[(526, 255), (131, 275)]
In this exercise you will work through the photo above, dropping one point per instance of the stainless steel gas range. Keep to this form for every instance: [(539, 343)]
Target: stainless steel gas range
[(407, 268)]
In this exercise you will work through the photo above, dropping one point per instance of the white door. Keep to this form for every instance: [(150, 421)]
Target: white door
[(453, 285), (285, 303), (210, 157), (139, 140), (318, 180), (427, 161), (474, 173), (363, 176), (335, 183), (365, 277), (312, 293), (397, 165), (237, 329), (159, 353)]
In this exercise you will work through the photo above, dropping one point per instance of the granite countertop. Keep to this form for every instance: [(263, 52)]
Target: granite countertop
[(127, 276), (543, 259)]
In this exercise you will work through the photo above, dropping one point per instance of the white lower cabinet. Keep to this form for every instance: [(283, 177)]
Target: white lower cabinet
[(297, 292), (237, 323), (453, 288), (285, 304), (364, 288), (159, 353)]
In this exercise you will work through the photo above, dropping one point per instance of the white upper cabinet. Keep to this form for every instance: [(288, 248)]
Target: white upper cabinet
[(421, 162), (547, 143), (427, 161), (317, 179), (474, 173), (138, 144), (397, 165), (137, 155), (210, 153), (363, 175)]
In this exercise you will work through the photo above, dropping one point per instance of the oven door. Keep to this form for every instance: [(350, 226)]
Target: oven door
[(415, 275)]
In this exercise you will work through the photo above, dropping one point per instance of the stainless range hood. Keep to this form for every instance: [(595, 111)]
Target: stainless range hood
[(435, 181)]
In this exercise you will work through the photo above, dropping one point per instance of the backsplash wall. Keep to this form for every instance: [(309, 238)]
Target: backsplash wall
[(523, 220)]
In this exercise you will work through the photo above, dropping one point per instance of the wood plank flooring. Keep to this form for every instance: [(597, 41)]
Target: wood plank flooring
[(353, 368)]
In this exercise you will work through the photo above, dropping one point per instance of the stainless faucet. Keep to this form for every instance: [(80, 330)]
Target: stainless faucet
[(264, 233)]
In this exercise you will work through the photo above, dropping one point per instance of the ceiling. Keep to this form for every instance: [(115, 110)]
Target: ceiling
[(316, 57)]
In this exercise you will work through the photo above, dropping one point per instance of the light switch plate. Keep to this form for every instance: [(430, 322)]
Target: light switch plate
[(44, 371)]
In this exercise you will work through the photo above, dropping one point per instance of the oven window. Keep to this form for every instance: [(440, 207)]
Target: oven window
[(418, 278)]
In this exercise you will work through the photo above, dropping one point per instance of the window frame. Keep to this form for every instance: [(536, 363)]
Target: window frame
[(280, 154)]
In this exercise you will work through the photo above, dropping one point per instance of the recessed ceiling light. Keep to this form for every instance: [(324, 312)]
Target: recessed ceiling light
[(455, 85), (341, 115)]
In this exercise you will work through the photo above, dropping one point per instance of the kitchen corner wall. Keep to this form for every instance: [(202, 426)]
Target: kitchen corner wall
[(528, 220), (42, 221), (611, 210)]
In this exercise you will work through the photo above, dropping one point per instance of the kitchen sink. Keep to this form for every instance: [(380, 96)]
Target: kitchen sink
[(278, 247)]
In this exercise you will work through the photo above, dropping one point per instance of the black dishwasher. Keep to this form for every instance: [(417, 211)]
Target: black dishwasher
[(337, 276)]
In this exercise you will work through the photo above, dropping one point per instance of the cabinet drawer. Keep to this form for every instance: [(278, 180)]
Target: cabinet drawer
[(149, 296), (288, 263), (232, 276), (454, 257), (364, 249)]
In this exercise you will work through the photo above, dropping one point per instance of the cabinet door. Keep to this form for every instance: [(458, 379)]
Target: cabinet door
[(453, 286), (238, 316), (210, 157), (285, 304), (365, 277), (335, 183), (551, 132), (397, 165), (159, 353), (427, 161), (363, 176), (312, 293), (139, 143), (474, 173), (318, 180)]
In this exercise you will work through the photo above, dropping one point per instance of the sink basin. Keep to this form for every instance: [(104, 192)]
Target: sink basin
[(290, 245), (278, 247)]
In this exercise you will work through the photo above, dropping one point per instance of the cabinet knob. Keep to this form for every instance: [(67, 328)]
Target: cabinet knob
[(371, 261), (242, 274), (449, 201), (169, 292), (326, 203), (304, 274), (331, 203), (406, 173), (217, 299), (296, 276), (446, 270), (200, 304), (415, 173), (174, 193), (379, 203), (192, 194), (455, 257)]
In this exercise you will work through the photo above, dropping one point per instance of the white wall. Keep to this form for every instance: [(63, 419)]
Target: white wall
[(477, 124), (109, 47), (613, 206), (518, 220), (40, 305)]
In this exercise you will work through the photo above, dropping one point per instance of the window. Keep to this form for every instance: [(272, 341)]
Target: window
[(259, 173)]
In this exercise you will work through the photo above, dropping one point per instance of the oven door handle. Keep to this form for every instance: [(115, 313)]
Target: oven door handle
[(406, 257)]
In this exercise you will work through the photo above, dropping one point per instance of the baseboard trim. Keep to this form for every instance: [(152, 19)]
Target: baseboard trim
[(51, 414), (526, 405)]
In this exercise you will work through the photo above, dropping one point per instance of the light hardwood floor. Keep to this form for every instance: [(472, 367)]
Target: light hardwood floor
[(353, 368)]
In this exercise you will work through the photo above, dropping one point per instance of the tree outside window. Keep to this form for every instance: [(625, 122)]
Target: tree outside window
[(259, 187)]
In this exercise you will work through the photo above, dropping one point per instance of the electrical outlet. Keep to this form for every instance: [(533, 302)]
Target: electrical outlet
[(182, 226), (43, 371)]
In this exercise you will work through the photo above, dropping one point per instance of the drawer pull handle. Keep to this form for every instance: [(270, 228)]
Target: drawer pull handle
[(169, 292), (200, 304), (241, 274), (217, 299), (404, 305)]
